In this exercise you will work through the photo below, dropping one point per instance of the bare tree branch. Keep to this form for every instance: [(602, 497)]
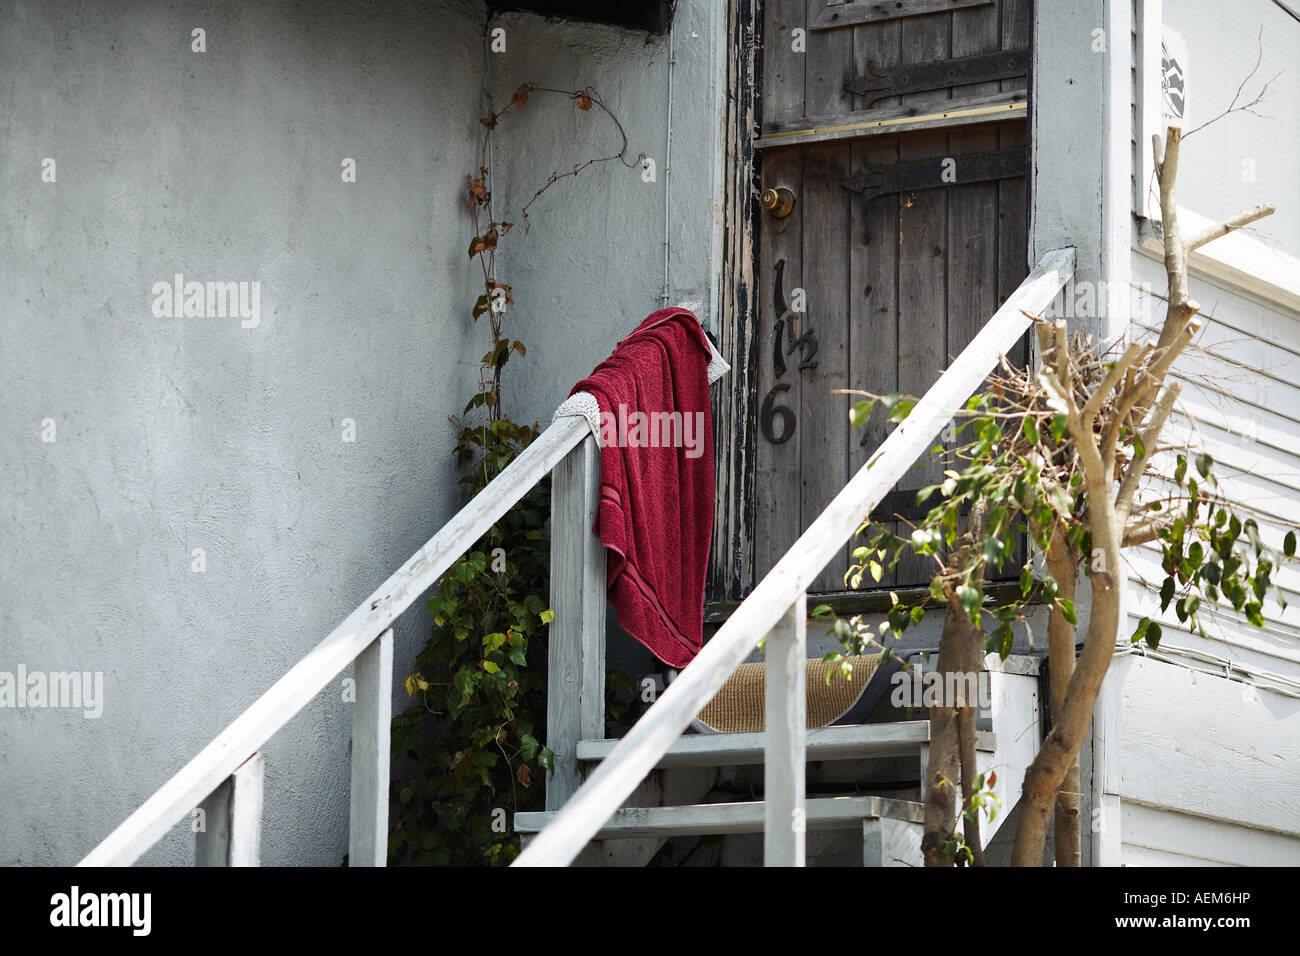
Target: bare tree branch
[(1256, 100), (1245, 217), (1138, 466), (1133, 354), (1145, 530)]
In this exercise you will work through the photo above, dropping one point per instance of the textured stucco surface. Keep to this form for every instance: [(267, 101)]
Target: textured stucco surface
[(176, 434), (591, 265), (183, 433)]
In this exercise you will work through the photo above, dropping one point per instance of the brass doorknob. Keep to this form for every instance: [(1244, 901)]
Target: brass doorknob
[(778, 201)]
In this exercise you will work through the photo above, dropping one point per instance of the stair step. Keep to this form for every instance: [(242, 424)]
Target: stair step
[(854, 742), (824, 813)]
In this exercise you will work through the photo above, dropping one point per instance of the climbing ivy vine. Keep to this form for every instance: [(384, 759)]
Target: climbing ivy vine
[(469, 751)]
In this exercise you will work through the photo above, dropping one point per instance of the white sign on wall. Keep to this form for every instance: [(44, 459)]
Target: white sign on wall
[(1164, 80), (1174, 62)]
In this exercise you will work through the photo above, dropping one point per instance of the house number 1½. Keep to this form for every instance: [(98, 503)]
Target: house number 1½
[(784, 342)]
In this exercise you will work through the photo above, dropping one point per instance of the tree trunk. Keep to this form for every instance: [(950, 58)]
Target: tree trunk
[(1061, 563), (1045, 776), (952, 729), (966, 717), (944, 770)]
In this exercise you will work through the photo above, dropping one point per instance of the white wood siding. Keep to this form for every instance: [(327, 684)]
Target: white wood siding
[(1155, 837), (1241, 403), (1228, 792)]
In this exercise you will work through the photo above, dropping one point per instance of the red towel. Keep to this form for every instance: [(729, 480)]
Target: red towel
[(656, 481)]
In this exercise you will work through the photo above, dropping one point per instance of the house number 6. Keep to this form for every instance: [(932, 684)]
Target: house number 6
[(805, 344)]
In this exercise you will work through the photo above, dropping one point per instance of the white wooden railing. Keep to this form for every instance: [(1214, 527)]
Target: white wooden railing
[(777, 608), (225, 778)]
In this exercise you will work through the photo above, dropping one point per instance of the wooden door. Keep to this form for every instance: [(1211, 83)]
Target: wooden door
[(899, 128)]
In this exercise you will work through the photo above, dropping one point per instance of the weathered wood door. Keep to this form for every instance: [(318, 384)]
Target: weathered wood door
[(899, 130)]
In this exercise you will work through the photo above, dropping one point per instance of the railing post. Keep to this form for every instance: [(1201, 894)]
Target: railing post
[(575, 697), (785, 745), (371, 721), (232, 819)]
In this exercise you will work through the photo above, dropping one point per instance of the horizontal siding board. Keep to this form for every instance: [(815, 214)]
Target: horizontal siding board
[(1272, 648), (1234, 456), (1273, 432), (1242, 764), (1262, 375), (1241, 404), (1233, 307), (1153, 836), (1145, 562)]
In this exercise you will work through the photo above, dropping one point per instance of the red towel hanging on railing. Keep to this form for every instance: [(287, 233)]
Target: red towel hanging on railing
[(655, 513)]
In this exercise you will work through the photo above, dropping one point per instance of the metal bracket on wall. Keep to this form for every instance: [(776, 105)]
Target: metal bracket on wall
[(876, 181), (939, 75), (838, 14)]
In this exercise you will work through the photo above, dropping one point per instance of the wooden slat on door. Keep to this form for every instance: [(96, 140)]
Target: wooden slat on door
[(823, 416), (873, 277), (972, 207), (777, 486), (922, 282), (783, 66), (1013, 198)]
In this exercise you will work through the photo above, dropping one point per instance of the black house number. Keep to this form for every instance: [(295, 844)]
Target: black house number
[(784, 342)]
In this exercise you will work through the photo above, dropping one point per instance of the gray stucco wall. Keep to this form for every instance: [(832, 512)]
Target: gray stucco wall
[(591, 265), (175, 434), (180, 433)]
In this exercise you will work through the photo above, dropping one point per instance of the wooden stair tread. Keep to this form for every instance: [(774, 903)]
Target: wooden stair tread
[(823, 813), (852, 742)]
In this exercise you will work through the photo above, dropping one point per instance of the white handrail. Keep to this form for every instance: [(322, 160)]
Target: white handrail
[(291, 693), (638, 753)]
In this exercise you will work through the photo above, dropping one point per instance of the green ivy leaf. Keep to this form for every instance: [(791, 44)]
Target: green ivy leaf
[(1030, 429), (925, 541), (1067, 610), (860, 413), (901, 410), (1252, 532), (1166, 593)]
